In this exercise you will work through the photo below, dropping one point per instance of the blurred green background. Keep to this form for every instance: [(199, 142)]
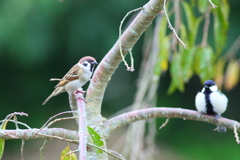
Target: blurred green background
[(43, 39)]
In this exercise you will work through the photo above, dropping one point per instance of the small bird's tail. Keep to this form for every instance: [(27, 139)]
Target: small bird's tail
[(49, 97), (57, 91), (221, 129)]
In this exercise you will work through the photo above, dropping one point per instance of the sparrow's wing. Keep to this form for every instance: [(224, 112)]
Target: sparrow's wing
[(72, 75)]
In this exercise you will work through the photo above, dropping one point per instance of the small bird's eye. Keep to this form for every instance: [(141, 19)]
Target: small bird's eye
[(85, 64)]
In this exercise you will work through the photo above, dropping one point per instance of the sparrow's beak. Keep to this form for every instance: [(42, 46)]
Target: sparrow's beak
[(94, 62)]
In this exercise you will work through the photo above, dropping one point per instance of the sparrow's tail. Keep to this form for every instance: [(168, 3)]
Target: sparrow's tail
[(49, 97), (57, 91)]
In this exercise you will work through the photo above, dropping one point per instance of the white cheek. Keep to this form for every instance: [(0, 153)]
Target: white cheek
[(200, 102), (214, 88), (85, 68)]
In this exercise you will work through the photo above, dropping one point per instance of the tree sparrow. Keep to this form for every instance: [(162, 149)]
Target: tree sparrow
[(211, 101), (76, 77)]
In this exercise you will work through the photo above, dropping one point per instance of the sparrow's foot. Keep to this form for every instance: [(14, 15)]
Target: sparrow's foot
[(83, 92), (80, 91)]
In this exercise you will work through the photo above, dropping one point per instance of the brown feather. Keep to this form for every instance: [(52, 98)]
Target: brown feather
[(70, 76), (86, 58)]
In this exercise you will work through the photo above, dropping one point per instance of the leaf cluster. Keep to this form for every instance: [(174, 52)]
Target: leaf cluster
[(202, 57)]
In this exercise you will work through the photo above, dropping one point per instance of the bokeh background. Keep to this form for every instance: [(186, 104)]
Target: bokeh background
[(43, 39)]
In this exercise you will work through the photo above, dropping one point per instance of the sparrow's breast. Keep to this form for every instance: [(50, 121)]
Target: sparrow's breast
[(74, 85)]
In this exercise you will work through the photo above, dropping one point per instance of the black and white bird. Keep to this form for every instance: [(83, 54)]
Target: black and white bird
[(211, 101)]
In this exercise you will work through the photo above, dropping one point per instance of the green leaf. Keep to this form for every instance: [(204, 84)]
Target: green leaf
[(176, 74), (193, 23), (163, 54), (184, 37), (96, 139), (164, 45), (189, 14), (66, 156), (194, 31), (204, 63), (216, 2), (187, 63), (220, 15), (2, 141), (202, 5)]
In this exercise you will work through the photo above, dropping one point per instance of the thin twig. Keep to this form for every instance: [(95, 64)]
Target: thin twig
[(132, 61), (206, 27), (57, 137), (164, 124), (170, 25), (60, 119), (70, 152), (116, 154), (8, 118), (21, 123), (14, 114), (120, 41), (213, 5), (235, 133), (15, 120), (233, 49), (82, 129), (176, 24), (22, 149), (41, 149), (54, 117), (110, 152)]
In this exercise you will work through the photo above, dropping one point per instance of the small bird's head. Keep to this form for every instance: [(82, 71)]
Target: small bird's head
[(88, 62), (211, 85)]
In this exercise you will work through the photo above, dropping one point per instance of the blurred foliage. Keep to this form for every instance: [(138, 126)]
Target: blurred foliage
[(68, 154), (198, 58), (43, 39), (2, 141)]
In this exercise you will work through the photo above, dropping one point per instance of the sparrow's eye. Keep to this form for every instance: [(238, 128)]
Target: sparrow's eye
[(85, 64)]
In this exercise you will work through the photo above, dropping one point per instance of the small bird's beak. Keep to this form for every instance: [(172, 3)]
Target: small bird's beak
[(94, 62)]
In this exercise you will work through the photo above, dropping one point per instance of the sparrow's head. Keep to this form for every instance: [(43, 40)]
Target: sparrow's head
[(88, 62), (209, 84)]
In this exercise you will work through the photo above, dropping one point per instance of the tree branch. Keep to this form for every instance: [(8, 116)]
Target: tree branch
[(82, 127), (127, 118), (27, 134), (110, 62)]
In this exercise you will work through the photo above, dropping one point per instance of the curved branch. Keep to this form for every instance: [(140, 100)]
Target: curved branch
[(110, 62), (127, 118)]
